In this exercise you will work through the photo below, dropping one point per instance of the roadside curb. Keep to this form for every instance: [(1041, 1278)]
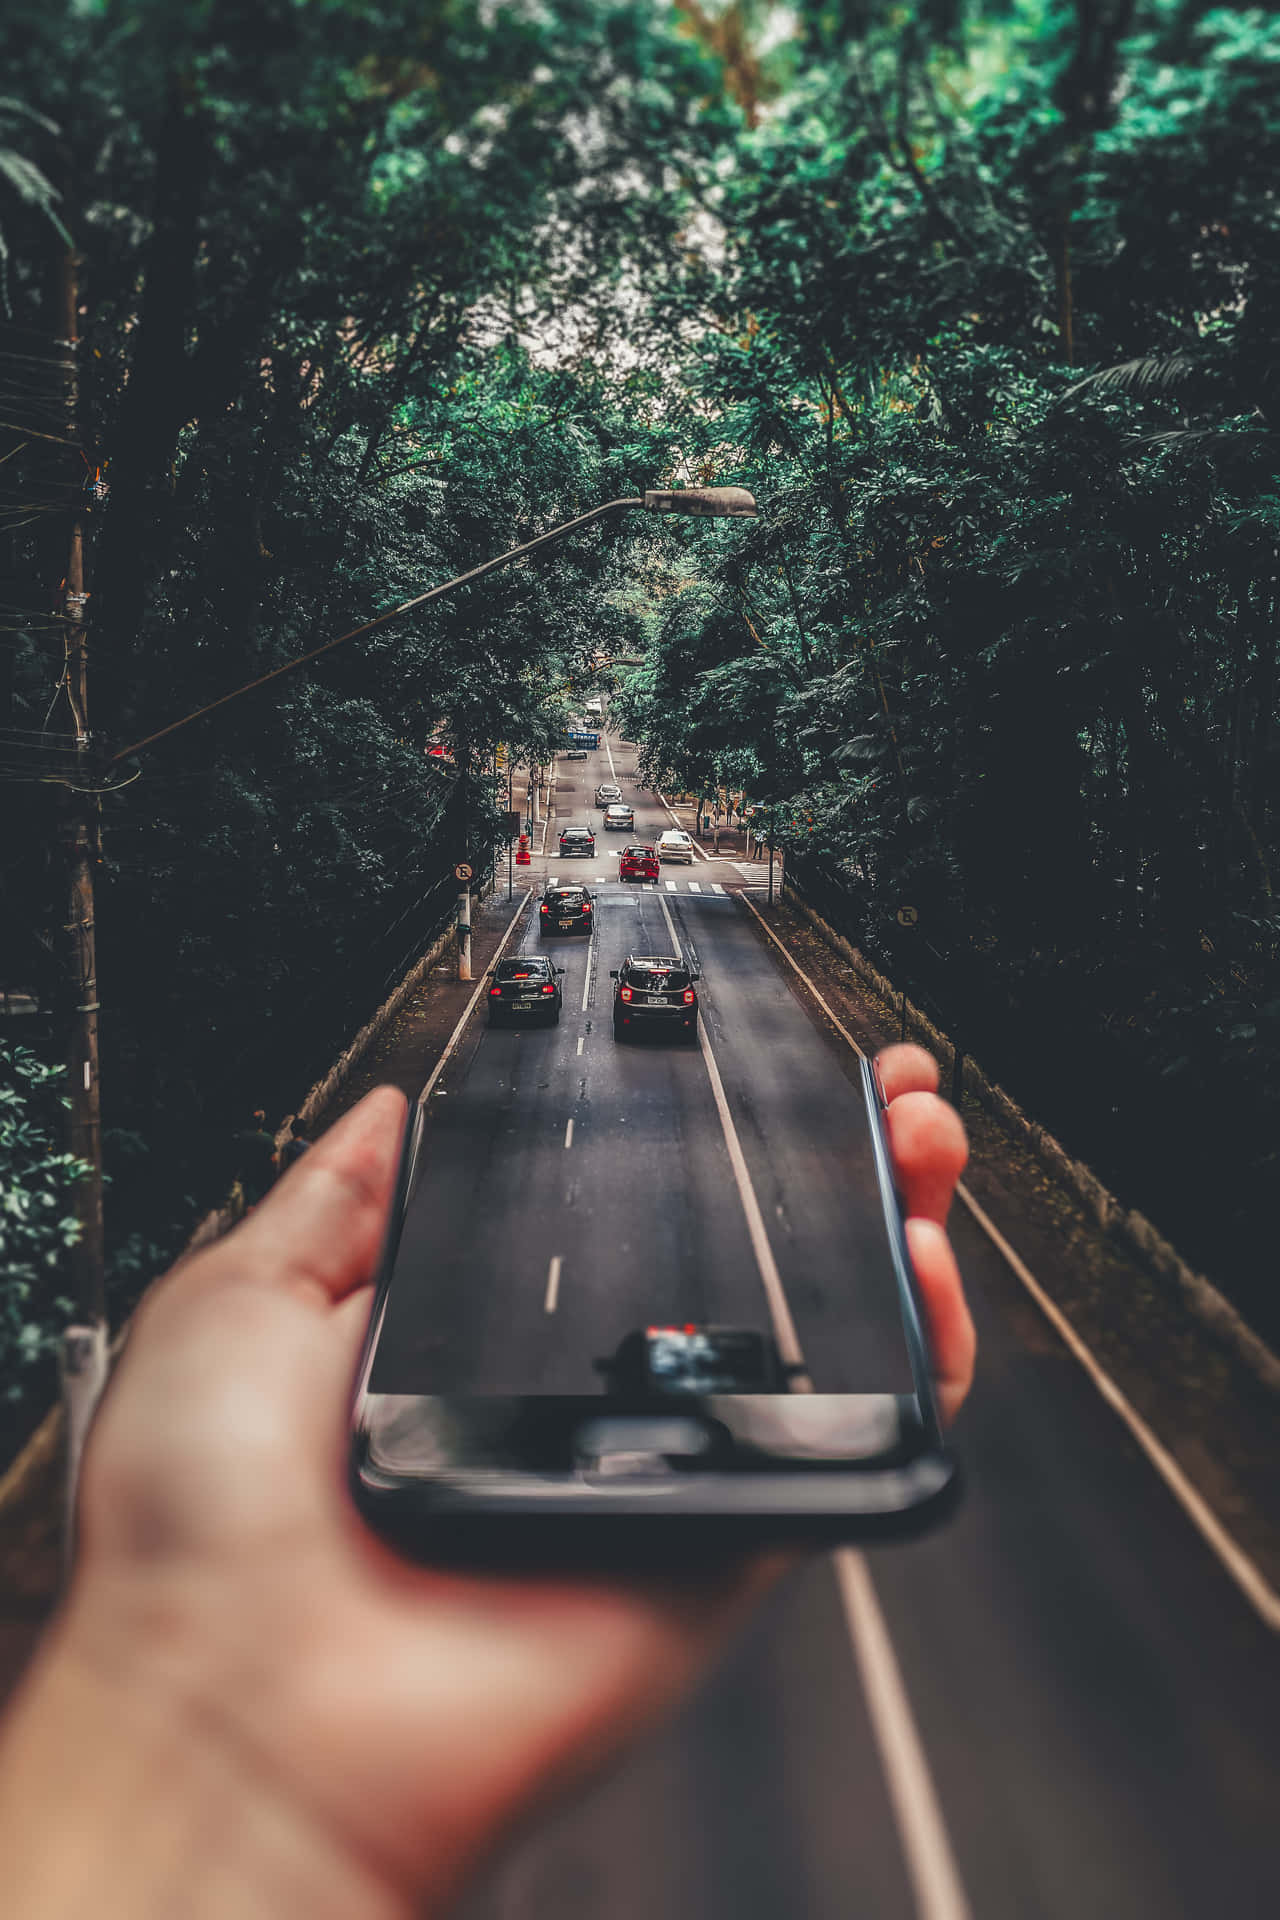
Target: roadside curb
[(1138, 1235)]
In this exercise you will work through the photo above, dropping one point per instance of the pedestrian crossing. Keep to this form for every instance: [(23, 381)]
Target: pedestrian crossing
[(632, 886)]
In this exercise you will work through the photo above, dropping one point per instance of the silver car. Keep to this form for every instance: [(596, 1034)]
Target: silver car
[(675, 845), (619, 817)]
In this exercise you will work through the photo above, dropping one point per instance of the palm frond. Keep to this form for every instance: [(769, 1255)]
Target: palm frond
[(1152, 374)]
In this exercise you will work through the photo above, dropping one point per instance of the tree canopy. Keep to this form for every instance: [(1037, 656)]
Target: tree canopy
[(980, 302)]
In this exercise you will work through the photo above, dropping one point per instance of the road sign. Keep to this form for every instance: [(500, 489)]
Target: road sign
[(462, 871), (907, 916)]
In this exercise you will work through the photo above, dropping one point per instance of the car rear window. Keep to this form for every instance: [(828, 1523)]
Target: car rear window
[(640, 975), (531, 969), (566, 897)]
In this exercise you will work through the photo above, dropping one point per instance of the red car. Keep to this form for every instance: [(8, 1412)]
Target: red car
[(638, 863)]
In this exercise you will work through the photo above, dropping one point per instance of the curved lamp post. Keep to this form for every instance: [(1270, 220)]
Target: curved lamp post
[(708, 502)]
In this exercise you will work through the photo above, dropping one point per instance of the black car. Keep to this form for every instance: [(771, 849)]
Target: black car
[(654, 994), (566, 910), (575, 840), (525, 989), (693, 1359)]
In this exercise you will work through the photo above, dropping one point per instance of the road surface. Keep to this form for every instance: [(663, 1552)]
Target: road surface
[(1058, 1706)]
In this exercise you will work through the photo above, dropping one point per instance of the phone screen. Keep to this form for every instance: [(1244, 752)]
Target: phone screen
[(490, 1355)]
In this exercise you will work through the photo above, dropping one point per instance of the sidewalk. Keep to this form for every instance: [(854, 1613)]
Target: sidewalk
[(733, 840), (409, 1049)]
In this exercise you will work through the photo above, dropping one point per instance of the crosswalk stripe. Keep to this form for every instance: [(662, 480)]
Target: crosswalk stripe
[(694, 887), (716, 887), (671, 886)]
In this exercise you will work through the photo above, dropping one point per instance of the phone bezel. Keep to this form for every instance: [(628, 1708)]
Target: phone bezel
[(708, 1510)]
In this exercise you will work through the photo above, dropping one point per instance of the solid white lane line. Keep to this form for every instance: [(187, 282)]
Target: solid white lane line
[(568, 1133), (553, 1284), (694, 887), (613, 771), (1247, 1575), (930, 1863), (468, 1010), (586, 978), (779, 1312), (670, 886), (580, 1040), (784, 1327), (922, 1831)]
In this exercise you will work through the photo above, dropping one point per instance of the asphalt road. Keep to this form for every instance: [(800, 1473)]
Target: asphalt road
[(1095, 1710)]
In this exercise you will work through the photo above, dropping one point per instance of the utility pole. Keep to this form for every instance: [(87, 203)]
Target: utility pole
[(84, 1350)]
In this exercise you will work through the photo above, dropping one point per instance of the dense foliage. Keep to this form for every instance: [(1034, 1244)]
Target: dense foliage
[(981, 302), (995, 336)]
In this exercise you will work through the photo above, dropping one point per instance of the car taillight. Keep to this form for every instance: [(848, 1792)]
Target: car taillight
[(495, 992), (586, 906), (548, 988), (546, 909), (625, 993), (688, 996)]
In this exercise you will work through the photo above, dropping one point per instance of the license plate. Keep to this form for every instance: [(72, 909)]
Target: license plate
[(524, 1006), (656, 999), (566, 923)]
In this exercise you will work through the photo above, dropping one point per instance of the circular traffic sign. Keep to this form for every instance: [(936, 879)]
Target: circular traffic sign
[(462, 871), (907, 916)]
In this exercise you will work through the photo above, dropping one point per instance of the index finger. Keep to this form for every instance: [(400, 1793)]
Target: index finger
[(320, 1228)]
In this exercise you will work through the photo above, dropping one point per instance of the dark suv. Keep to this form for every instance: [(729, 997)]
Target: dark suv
[(654, 994), (525, 988), (578, 840), (566, 910)]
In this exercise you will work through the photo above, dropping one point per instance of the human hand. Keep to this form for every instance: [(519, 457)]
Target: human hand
[(337, 1729)]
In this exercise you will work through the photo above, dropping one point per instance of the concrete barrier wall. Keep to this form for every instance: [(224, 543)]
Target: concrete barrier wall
[(1132, 1229)]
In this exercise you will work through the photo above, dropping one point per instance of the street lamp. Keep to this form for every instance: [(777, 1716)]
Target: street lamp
[(706, 502)]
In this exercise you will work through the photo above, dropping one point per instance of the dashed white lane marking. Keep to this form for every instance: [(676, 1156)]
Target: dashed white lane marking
[(568, 1133), (1247, 1575), (930, 1863), (671, 886), (553, 1283), (694, 887), (586, 978), (926, 1848), (580, 1040)]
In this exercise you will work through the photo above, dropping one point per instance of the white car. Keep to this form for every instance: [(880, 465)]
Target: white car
[(675, 845)]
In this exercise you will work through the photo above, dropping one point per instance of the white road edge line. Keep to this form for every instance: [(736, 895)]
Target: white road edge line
[(469, 1009), (675, 823), (586, 978), (1248, 1577), (553, 1284), (927, 1855), (568, 1133), (922, 1832)]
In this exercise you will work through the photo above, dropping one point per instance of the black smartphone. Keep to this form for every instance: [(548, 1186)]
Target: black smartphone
[(685, 1437)]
